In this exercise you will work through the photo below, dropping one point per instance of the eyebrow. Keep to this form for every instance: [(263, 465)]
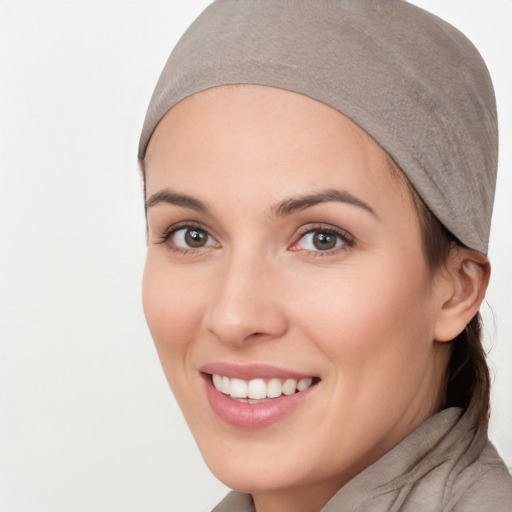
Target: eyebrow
[(332, 195), (282, 209), (183, 200)]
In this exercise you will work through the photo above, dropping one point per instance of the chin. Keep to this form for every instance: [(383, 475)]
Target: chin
[(257, 476)]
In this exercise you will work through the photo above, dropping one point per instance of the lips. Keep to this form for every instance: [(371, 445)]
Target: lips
[(255, 395)]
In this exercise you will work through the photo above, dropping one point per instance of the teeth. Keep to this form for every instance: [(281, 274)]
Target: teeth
[(259, 389), (238, 388), (304, 384), (289, 386), (226, 385), (274, 388), (217, 381)]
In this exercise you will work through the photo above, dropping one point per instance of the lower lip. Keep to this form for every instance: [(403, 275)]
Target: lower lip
[(242, 414)]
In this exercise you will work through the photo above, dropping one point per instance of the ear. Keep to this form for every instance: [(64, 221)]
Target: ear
[(462, 285)]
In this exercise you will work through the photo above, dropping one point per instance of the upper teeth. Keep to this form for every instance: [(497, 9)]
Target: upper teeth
[(258, 389)]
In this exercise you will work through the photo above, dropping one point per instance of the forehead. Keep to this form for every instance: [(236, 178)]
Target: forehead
[(254, 135), (218, 106)]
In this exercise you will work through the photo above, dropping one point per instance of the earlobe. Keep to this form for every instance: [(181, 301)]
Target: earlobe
[(462, 290)]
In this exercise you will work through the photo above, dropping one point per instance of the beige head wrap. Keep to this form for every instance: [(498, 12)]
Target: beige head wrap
[(412, 81)]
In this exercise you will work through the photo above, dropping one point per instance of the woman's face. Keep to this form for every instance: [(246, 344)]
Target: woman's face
[(283, 254)]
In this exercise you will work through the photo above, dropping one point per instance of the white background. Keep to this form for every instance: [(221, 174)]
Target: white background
[(87, 422)]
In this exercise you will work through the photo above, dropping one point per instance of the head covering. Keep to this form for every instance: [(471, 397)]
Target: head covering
[(412, 81)]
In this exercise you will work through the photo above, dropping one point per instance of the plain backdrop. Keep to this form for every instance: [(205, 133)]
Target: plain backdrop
[(87, 422)]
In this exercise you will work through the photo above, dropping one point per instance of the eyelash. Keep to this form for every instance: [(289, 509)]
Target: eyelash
[(347, 241)]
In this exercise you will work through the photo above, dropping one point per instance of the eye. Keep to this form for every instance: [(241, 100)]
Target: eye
[(191, 238), (184, 238), (322, 240)]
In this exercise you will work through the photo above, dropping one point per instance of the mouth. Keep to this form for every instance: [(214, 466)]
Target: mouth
[(256, 396), (259, 390)]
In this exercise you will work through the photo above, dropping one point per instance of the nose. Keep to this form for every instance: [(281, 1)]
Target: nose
[(245, 302)]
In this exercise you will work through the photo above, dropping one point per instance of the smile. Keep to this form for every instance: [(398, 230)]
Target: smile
[(256, 390), (255, 396)]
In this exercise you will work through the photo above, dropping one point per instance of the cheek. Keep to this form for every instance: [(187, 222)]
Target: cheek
[(374, 329), (173, 312), (372, 319)]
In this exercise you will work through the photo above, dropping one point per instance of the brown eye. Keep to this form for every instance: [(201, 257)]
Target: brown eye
[(324, 241), (195, 238), (191, 238)]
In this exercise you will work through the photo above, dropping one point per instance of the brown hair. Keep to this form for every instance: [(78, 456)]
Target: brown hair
[(467, 378)]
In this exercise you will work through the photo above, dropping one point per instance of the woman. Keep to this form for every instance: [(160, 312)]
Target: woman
[(319, 180)]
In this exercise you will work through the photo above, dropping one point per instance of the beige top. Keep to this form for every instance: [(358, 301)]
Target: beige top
[(442, 466)]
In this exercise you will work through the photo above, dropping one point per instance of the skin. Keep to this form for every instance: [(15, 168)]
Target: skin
[(367, 317)]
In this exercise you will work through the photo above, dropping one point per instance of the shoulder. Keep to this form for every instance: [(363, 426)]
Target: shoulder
[(485, 485)]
